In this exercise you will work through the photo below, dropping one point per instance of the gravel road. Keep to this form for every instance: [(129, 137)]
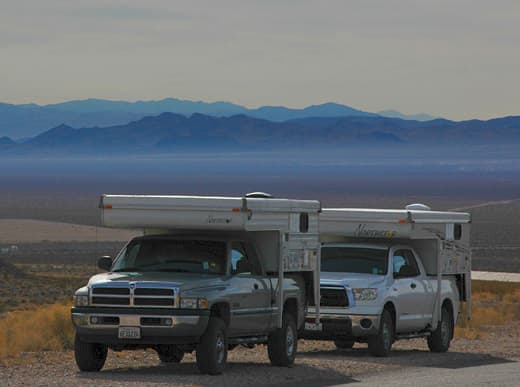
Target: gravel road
[(318, 364)]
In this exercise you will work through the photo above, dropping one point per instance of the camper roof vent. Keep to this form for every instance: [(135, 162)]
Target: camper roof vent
[(418, 206), (261, 195)]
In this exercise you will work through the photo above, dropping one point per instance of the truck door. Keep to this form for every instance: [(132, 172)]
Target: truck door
[(411, 291), (251, 293)]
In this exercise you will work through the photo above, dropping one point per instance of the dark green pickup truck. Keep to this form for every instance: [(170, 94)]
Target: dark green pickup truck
[(178, 294)]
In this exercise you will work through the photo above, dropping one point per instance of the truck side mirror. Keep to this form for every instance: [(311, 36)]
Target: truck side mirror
[(105, 263)]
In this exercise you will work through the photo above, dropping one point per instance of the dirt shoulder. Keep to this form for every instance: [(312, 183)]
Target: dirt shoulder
[(318, 363)]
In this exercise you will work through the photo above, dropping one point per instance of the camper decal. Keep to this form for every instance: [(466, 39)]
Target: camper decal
[(214, 220), (363, 231)]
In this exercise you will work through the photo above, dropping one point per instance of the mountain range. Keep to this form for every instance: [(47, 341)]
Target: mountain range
[(169, 132), (28, 120)]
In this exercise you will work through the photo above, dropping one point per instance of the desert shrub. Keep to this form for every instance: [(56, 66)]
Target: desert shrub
[(493, 304), (495, 287), (484, 297), (46, 328)]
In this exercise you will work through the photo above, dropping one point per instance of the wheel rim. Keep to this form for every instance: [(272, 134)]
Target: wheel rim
[(220, 349), (290, 341)]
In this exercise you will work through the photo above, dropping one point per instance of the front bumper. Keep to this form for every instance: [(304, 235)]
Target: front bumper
[(336, 326), (157, 326)]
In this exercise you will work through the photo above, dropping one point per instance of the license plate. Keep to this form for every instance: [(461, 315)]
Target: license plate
[(309, 326), (129, 333)]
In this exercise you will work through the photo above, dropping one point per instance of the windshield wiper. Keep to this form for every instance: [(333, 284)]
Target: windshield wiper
[(175, 270)]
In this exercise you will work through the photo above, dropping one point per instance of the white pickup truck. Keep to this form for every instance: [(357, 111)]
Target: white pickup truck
[(380, 278)]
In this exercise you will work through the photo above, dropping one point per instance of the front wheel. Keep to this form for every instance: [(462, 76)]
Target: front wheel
[(380, 345), (439, 340), (89, 356), (212, 349), (283, 343)]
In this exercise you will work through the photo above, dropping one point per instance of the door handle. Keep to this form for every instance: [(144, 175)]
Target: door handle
[(255, 286), (413, 286)]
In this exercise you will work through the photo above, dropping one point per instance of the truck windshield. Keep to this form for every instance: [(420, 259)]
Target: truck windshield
[(182, 256), (354, 260)]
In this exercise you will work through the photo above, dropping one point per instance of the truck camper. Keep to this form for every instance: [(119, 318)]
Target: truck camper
[(392, 274), (208, 274)]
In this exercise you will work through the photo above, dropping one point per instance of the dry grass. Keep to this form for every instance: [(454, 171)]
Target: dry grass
[(45, 328), (493, 304), (41, 284)]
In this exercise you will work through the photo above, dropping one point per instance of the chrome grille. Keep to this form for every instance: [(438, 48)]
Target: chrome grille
[(111, 290), (136, 294), (107, 300), (154, 302), (335, 296), (153, 292)]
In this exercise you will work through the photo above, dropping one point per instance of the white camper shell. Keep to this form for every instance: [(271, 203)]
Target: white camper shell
[(442, 239), (287, 230)]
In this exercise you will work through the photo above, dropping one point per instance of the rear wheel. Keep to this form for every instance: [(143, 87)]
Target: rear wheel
[(439, 340), (169, 353), (283, 343), (344, 344), (89, 356), (212, 349), (381, 344)]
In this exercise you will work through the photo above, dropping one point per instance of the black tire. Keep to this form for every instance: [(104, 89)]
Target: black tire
[(440, 339), (283, 343), (89, 356), (213, 347), (380, 345), (344, 344), (169, 353)]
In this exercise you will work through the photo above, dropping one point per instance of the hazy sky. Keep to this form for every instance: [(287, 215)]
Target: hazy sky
[(457, 59)]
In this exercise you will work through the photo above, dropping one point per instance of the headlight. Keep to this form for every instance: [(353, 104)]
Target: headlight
[(365, 294), (80, 300), (194, 303)]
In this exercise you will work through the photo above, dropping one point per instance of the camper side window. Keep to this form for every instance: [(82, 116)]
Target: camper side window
[(241, 262), (404, 264), (457, 232), (304, 222)]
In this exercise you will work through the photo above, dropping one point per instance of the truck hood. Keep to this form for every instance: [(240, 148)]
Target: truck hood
[(353, 280), (184, 281)]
